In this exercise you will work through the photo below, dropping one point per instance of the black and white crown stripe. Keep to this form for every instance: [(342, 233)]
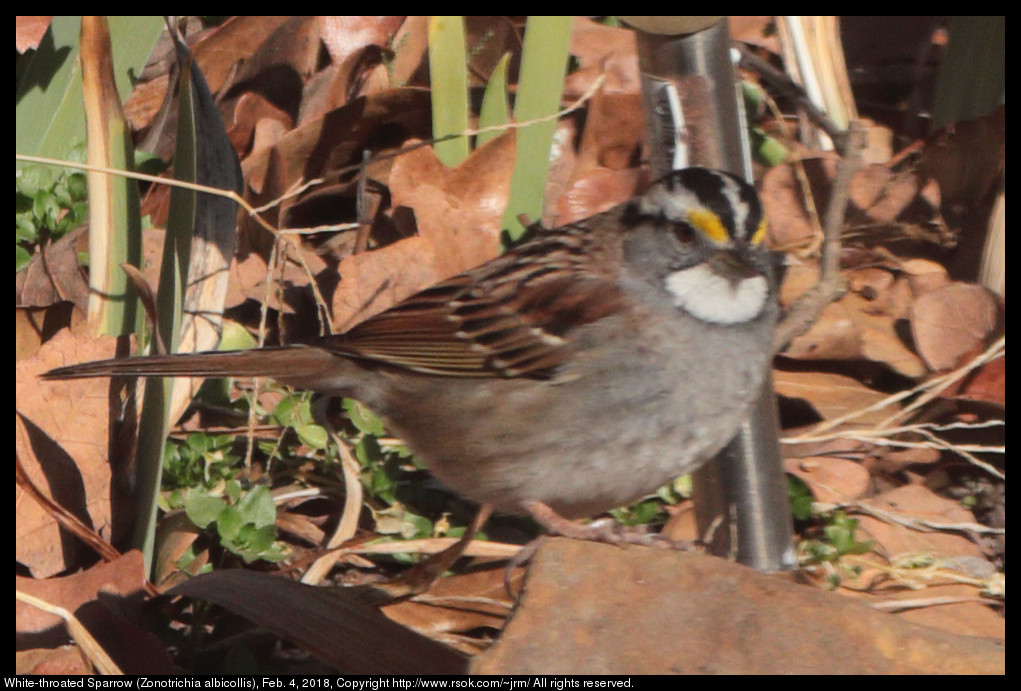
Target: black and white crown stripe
[(685, 192)]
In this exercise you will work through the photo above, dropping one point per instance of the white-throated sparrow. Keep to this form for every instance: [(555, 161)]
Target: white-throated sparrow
[(581, 370)]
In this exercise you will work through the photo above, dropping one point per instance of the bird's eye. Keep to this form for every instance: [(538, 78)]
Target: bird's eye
[(684, 232)]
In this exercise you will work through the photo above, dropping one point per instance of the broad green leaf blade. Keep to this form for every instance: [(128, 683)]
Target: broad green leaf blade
[(495, 110), (448, 78), (115, 220), (540, 85), (49, 116), (203, 155)]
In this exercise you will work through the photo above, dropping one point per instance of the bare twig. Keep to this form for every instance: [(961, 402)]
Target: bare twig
[(806, 310), (789, 88)]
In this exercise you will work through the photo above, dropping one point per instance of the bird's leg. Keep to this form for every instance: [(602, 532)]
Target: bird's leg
[(422, 575), (597, 531)]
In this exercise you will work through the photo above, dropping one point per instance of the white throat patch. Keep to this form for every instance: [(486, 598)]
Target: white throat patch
[(713, 298)]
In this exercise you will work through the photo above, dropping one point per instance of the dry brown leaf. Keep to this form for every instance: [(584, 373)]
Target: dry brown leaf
[(917, 502), (756, 30), (832, 395), (460, 603), (488, 39), (854, 327), (124, 578), (65, 660), (614, 132), (603, 51), (950, 322), (318, 147), (791, 225), (458, 212), (988, 384), (924, 275), (882, 193), (29, 31), (61, 437), (884, 204), (830, 479), (107, 600), (344, 36), (217, 54), (882, 343), (257, 122), (411, 43), (966, 159), (834, 336), (890, 460), (54, 275), (597, 190), (870, 281)]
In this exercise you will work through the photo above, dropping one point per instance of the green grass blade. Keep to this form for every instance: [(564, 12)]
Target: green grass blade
[(495, 110), (448, 77), (540, 86)]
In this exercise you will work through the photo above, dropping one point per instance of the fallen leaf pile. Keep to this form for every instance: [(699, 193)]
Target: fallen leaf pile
[(892, 402)]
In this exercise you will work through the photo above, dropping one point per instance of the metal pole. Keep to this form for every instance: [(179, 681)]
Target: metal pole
[(694, 117)]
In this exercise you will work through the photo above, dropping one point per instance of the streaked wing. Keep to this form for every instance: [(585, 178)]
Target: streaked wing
[(505, 318)]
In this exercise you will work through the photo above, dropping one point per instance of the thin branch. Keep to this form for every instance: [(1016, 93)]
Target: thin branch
[(806, 309)]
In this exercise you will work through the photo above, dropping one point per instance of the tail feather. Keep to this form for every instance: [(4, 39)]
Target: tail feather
[(284, 363)]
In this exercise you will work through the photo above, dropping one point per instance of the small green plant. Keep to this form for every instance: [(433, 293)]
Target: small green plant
[(652, 511), (295, 411), (801, 498), (45, 204), (199, 476), (245, 521), (838, 540), (202, 460)]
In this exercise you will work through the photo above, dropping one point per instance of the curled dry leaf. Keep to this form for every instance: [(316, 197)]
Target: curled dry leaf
[(885, 205), (122, 578), (344, 36), (76, 471), (458, 213), (832, 480), (598, 190), (832, 395), (924, 275), (614, 132), (988, 384), (603, 50), (950, 322), (918, 503), (854, 327)]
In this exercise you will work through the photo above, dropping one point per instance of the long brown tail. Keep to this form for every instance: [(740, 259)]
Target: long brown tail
[(283, 363)]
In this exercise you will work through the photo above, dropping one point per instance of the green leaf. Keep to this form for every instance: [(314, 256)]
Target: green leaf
[(257, 507), (495, 110), (229, 523), (257, 539), (448, 78), (801, 498), (21, 258), (202, 509), (540, 85), (364, 419), (236, 337), (49, 114), (313, 435)]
